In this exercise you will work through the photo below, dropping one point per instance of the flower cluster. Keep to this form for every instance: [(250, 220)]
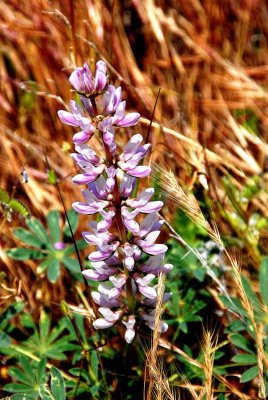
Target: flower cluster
[(127, 258)]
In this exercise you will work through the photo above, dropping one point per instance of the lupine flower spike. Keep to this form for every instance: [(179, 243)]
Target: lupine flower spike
[(126, 260)]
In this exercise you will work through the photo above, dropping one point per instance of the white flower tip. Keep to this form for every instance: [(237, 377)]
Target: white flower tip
[(129, 335)]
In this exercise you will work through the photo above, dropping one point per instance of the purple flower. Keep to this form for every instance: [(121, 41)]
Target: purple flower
[(141, 204), (127, 186), (120, 119), (132, 253), (152, 302), (150, 322), (110, 318), (83, 81), (143, 286), (125, 281), (148, 245), (76, 117), (106, 243), (101, 298), (59, 245), (100, 272), (92, 205), (85, 155), (105, 126), (131, 156), (111, 99), (155, 265), (90, 175)]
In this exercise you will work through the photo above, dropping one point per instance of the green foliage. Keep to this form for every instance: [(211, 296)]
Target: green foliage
[(43, 245), (5, 318), (10, 205), (57, 385), (51, 177), (184, 310), (31, 382), (47, 342), (264, 280)]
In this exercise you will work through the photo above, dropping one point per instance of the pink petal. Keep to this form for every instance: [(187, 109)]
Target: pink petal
[(81, 137), (131, 147), (102, 323), (130, 119), (67, 118)]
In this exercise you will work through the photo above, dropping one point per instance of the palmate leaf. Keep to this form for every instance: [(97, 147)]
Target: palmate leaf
[(73, 218), (53, 270), (71, 264), (48, 343), (23, 254), (53, 222), (38, 229), (27, 237), (29, 379)]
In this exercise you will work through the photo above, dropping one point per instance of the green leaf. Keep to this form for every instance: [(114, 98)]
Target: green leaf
[(10, 312), (37, 228), (27, 321), (44, 393), (95, 363), (251, 295), (20, 376), (46, 263), (51, 177), (249, 374), (73, 218), (241, 342), (5, 340), (23, 254), (81, 245), (53, 271), (263, 277), (79, 320), (246, 359), (44, 325), (19, 207), (19, 387), (41, 371), (27, 368), (57, 384), (94, 390), (71, 264), (4, 196), (23, 397), (27, 237), (234, 304), (53, 222)]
